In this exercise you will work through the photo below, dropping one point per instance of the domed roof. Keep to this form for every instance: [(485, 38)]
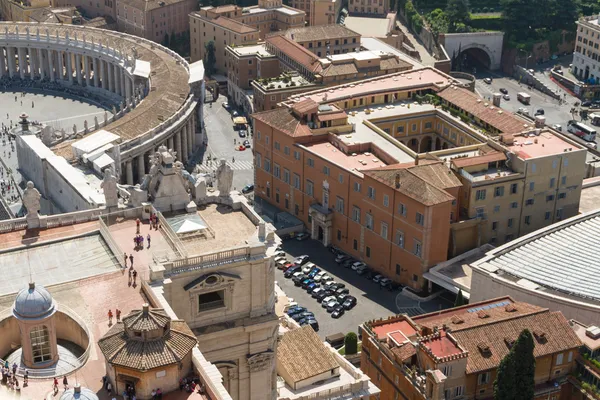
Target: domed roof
[(79, 393), (33, 302)]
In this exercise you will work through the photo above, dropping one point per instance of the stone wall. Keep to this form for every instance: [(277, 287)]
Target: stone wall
[(11, 336), (530, 79)]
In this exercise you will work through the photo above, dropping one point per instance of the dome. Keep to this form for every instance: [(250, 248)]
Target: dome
[(79, 393), (33, 302)]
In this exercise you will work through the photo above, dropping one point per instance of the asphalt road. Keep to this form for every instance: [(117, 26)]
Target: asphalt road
[(372, 302), (221, 135)]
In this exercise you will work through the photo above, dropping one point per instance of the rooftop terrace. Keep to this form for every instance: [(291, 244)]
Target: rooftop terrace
[(355, 161), (542, 145)]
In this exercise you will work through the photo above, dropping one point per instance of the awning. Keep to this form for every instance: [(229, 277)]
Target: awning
[(240, 121), (142, 69)]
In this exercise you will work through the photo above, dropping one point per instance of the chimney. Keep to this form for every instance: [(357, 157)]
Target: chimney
[(77, 388), (145, 308), (397, 181), (31, 285)]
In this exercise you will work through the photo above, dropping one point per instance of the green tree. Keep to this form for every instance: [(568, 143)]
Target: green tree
[(438, 21), (351, 343), (457, 12), (521, 18), (515, 379), (460, 300), (564, 14), (210, 58)]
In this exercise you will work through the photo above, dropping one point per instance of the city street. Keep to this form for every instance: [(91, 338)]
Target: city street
[(221, 135), (372, 302)]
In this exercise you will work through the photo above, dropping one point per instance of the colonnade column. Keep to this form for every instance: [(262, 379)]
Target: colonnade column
[(184, 144), (10, 55), (127, 88), (61, 69), (129, 172), (40, 64), (123, 78), (189, 135), (95, 68), (178, 145), (22, 61), (69, 66), (141, 167), (78, 69), (32, 60), (51, 64), (101, 74), (170, 143), (117, 80), (86, 68), (2, 62), (105, 67)]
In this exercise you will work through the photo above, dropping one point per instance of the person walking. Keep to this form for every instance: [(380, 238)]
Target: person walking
[(131, 259), (55, 385), (110, 316), (134, 276), (137, 225), (148, 238), (130, 274), (125, 257), (65, 382), (109, 388), (25, 378), (118, 312)]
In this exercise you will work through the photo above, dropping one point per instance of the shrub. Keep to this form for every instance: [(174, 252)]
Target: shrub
[(351, 343)]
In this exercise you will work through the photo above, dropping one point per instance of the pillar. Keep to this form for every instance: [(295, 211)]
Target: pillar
[(190, 134), (111, 77), (22, 61), (50, 64), (95, 69), (2, 62), (101, 73), (170, 143), (105, 65), (86, 67), (123, 77), (178, 145), (61, 68), (184, 154), (40, 63), (10, 55), (127, 89), (129, 172), (141, 167), (117, 78), (69, 57), (78, 69)]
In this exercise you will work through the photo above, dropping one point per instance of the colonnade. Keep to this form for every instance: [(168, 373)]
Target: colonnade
[(183, 142), (63, 65)]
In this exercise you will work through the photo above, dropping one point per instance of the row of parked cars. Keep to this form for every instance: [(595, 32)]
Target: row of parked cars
[(362, 269), (334, 296)]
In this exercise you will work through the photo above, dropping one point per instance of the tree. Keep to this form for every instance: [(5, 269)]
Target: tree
[(438, 21), (515, 379), (460, 300), (351, 343), (210, 58), (457, 12), (564, 14)]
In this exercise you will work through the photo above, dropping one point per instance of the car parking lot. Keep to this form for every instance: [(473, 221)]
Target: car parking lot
[(372, 301)]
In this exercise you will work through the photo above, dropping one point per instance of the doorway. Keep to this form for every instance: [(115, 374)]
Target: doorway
[(320, 233)]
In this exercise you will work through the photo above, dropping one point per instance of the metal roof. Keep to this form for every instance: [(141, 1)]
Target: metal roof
[(564, 257)]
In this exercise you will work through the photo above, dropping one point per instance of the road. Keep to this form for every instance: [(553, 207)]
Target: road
[(221, 135), (372, 303)]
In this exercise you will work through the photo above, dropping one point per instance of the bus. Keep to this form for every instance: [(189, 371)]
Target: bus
[(524, 98), (583, 131)]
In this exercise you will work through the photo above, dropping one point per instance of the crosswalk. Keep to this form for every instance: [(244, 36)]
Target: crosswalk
[(236, 166)]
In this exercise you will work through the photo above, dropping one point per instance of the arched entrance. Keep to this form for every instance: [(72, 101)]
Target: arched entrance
[(445, 145), (473, 58), (425, 145), (413, 144), (438, 143), (320, 234)]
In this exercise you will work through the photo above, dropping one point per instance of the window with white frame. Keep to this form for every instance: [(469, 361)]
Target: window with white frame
[(339, 204), (286, 175), (267, 165), (420, 219), (369, 221), (276, 171), (402, 209), (399, 239), (310, 187), (296, 181), (418, 250), (483, 379), (258, 160), (371, 192), (326, 170), (357, 187), (356, 214), (384, 230), (386, 200)]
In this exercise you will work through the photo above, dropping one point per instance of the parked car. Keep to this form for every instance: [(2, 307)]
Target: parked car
[(338, 312), (342, 291), (506, 97), (540, 111), (305, 314), (341, 257), (340, 298), (327, 300), (308, 267), (349, 302), (302, 236), (385, 282), (330, 306), (358, 264), (324, 294), (586, 103), (361, 270), (503, 91), (306, 282), (558, 127), (326, 278), (290, 271), (225, 105), (242, 133), (287, 266), (247, 144), (298, 279), (312, 286), (296, 310), (488, 80), (312, 323), (301, 260), (234, 114), (314, 272), (377, 278), (337, 285), (248, 188), (315, 293), (531, 71), (348, 263)]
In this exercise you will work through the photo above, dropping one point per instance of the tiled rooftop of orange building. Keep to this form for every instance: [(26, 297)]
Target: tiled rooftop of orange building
[(544, 144), (347, 161), (403, 326), (442, 346)]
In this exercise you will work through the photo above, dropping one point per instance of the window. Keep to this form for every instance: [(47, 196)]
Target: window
[(386, 200), (496, 209), (570, 357), (510, 223), (480, 194), (400, 129), (258, 160), (415, 278), (267, 165), (296, 181), (495, 225), (356, 214), (531, 186), (309, 187), (447, 370), (276, 171), (277, 146), (459, 390), (562, 195), (326, 170), (286, 151), (550, 197), (563, 180), (528, 220), (402, 209), (418, 248), (384, 230), (399, 239), (40, 344), (552, 182), (509, 237), (339, 235), (514, 188), (296, 155), (369, 221), (357, 187), (483, 379), (514, 204), (368, 252), (398, 269), (427, 125), (339, 205), (533, 167), (559, 213), (310, 162), (499, 191), (420, 219), (371, 193), (209, 301), (286, 175), (554, 164), (559, 359), (529, 202)]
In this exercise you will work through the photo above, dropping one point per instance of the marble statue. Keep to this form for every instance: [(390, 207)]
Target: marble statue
[(47, 135), (109, 187), (224, 178), (105, 118), (74, 129), (96, 125), (31, 200), (200, 190), (114, 110), (85, 126)]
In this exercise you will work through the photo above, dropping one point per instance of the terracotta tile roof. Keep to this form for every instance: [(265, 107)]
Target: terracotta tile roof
[(321, 32), (305, 106), (437, 174), (478, 160), (404, 352), (283, 120), (232, 25), (302, 354), (461, 318), (505, 122), (332, 116), (296, 52), (558, 337), (411, 184), (224, 9), (122, 347)]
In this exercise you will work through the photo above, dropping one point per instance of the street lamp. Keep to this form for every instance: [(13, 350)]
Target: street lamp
[(526, 57)]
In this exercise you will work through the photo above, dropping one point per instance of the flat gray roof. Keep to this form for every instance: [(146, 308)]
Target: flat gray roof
[(563, 257)]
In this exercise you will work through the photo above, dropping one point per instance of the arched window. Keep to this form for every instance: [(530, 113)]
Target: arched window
[(40, 344)]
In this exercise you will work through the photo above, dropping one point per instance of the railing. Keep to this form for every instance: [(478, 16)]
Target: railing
[(46, 373), (13, 224), (217, 258), (114, 247), (211, 305), (72, 218), (171, 235)]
